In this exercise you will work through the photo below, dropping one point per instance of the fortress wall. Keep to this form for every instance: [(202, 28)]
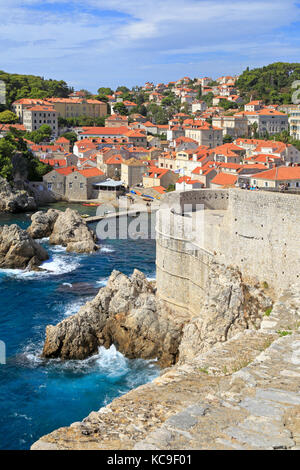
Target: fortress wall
[(257, 232), (210, 198), (264, 236)]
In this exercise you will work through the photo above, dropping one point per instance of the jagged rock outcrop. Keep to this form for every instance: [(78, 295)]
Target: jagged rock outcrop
[(125, 313), (243, 395), (14, 201), (128, 313), (18, 250), (64, 228), (42, 223), (230, 306)]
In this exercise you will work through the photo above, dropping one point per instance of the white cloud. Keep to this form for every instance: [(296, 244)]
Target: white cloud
[(158, 34)]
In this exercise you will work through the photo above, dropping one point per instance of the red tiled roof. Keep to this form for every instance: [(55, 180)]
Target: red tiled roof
[(281, 173), (224, 179), (159, 189), (91, 172), (62, 140), (66, 171), (104, 130)]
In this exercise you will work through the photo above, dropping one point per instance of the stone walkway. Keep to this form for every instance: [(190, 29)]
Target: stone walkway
[(242, 394)]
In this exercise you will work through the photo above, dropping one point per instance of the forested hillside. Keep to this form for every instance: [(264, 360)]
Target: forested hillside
[(30, 86), (272, 84)]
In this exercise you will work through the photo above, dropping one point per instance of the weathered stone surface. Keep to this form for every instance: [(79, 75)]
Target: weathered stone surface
[(186, 408), (14, 201), (42, 223), (72, 231), (229, 306), (64, 228), (125, 313), (18, 250)]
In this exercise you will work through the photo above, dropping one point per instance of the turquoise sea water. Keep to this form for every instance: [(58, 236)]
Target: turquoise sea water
[(38, 396)]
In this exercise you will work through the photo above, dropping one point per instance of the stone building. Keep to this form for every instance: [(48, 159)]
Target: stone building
[(79, 183), (55, 180), (132, 172), (36, 116), (235, 126), (112, 166), (159, 177), (278, 176), (294, 122), (267, 121), (74, 107), (205, 134), (116, 120)]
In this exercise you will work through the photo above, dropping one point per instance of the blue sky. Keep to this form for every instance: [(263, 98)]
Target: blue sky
[(95, 43)]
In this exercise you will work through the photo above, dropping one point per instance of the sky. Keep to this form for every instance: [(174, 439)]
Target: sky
[(95, 43)]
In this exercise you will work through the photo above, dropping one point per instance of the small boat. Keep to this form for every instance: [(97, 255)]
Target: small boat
[(92, 204), (85, 216)]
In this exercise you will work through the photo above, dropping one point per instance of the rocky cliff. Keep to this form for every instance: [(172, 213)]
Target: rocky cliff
[(18, 250), (64, 228), (126, 313), (239, 395), (12, 200)]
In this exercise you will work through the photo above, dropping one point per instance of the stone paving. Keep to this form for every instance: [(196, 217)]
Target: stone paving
[(242, 394)]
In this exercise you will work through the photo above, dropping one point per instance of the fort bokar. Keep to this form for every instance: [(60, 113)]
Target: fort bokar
[(224, 319)]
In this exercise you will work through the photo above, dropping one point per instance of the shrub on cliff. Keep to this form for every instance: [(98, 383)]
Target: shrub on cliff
[(9, 145)]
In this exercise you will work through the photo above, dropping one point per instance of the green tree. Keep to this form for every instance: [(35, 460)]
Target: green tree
[(226, 104), (123, 89), (8, 117), (105, 91), (14, 142), (120, 108), (71, 136), (30, 86), (272, 83), (227, 139)]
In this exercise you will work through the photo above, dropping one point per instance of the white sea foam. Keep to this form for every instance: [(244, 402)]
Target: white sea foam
[(57, 249), (60, 264), (17, 415), (73, 307), (42, 240), (56, 265), (107, 249), (102, 282), (111, 362)]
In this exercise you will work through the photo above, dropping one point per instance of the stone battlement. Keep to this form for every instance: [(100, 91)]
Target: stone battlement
[(256, 232)]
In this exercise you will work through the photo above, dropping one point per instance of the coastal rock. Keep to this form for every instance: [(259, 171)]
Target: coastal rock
[(125, 313), (72, 231), (64, 228), (14, 201), (230, 306), (42, 223), (18, 250)]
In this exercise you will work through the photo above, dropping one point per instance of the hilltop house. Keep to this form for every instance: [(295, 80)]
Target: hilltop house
[(275, 177)]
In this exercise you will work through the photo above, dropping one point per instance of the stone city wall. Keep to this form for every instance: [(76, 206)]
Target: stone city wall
[(257, 232)]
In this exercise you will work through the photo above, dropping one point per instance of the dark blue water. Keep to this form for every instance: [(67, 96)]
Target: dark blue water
[(38, 396)]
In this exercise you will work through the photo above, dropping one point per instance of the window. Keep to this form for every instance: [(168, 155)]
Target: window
[(81, 185), (70, 185), (49, 186)]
